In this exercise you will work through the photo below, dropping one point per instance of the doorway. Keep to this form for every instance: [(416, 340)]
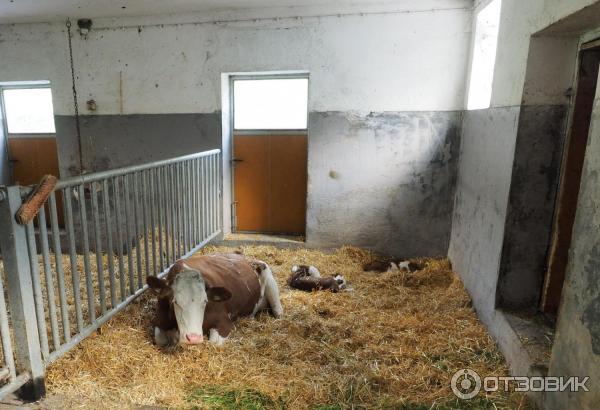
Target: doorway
[(270, 153), (28, 124), (571, 171)]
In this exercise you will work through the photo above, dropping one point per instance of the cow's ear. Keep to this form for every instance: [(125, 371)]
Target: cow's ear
[(218, 294), (155, 283)]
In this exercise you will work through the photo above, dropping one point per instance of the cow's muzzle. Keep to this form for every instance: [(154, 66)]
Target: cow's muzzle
[(192, 339)]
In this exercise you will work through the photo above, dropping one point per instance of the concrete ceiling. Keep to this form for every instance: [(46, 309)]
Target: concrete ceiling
[(24, 11)]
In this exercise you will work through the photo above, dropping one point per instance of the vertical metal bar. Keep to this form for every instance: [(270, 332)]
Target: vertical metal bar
[(145, 218), (152, 220), (118, 221), (211, 184), (172, 204), (86, 255), (73, 257), (127, 206), (13, 243), (165, 206), (220, 195), (60, 274), (98, 246), (158, 185), (38, 297), (176, 208), (204, 200), (194, 192), (110, 251), (177, 199), (49, 278), (190, 170), (185, 210), (136, 221), (7, 351), (216, 192)]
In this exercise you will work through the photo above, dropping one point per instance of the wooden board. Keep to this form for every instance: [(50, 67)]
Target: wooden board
[(32, 158), (270, 183)]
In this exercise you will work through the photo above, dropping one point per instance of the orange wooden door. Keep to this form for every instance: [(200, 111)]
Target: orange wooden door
[(32, 158), (270, 183)]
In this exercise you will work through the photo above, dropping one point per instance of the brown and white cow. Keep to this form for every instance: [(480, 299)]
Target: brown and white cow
[(206, 294)]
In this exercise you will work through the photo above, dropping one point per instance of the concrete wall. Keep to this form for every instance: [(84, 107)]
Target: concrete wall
[(516, 109), (507, 183), (407, 158), (157, 85)]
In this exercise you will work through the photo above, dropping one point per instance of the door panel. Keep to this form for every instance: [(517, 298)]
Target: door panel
[(270, 183), (288, 183), (251, 178), (32, 158)]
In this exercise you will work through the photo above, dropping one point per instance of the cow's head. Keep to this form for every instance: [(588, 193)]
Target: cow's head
[(188, 296)]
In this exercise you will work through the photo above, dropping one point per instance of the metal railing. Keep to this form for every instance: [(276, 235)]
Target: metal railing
[(87, 253)]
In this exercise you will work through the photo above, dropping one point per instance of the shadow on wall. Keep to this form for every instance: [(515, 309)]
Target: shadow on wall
[(384, 181)]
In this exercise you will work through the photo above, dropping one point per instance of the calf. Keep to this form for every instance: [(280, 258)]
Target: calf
[(205, 294), (308, 278), (380, 266)]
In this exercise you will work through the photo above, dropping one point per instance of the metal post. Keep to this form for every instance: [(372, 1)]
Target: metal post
[(13, 242)]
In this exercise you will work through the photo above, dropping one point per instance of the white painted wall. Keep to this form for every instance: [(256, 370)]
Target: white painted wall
[(520, 19), (409, 59)]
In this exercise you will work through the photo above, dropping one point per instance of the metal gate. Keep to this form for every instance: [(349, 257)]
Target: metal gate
[(62, 283)]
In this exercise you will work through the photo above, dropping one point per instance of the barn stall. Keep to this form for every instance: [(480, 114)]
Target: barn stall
[(426, 129), (389, 339)]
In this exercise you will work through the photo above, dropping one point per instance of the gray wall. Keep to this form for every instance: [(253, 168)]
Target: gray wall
[(113, 141), (534, 183), (384, 181), (577, 344), (486, 159)]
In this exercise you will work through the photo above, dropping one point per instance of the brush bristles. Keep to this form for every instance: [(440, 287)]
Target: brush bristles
[(36, 199)]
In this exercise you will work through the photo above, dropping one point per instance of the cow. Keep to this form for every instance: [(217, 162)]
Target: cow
[(308, 278), (206, 294)]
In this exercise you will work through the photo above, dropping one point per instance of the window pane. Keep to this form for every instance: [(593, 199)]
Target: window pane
[(484, 56), (29, 110), (279, 104)]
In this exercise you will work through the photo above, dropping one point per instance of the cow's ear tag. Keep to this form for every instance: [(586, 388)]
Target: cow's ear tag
[(218, 294)]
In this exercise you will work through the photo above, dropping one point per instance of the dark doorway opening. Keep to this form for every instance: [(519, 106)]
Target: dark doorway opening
[(571, 170)]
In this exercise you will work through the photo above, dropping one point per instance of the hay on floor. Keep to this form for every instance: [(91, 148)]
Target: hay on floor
[(395, 339)]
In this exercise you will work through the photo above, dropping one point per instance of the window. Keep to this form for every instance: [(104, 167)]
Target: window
[(484, 56), (271, 104), (29, 110)]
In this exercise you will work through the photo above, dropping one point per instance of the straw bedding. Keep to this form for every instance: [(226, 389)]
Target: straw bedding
[(394, 340)]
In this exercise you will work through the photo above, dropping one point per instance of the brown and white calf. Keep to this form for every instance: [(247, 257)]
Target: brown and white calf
[(308, 278), (206, 294)]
